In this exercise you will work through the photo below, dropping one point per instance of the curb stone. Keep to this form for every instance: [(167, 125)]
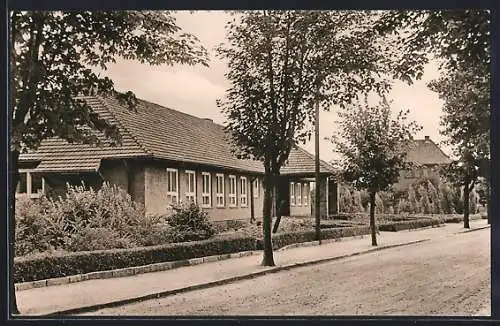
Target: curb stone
[(267, 270), (474, 229), (129, 271)]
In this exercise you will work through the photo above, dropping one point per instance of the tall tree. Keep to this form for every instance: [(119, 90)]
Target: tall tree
[(460, 39), (466, 123), (373, 147), (280, 62), (53, 56)]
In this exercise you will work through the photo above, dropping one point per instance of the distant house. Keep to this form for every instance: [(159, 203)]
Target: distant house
[(167, 156), (427, 157)]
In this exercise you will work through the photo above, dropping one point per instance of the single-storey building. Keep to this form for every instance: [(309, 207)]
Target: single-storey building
[(167, 156), (427, 158)]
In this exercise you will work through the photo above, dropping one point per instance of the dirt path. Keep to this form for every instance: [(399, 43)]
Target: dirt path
[(447, 276)]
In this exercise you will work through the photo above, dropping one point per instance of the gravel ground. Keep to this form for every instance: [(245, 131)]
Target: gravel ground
[(447, 276)]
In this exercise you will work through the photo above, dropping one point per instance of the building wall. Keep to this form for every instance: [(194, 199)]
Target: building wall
[(409, 177), (155, 185)]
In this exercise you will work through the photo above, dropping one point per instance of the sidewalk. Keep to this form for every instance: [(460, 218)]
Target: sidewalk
[(94, 294)]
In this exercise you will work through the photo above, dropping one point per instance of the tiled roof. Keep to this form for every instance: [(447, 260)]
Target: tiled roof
[(158, 132), (425, 151), (302, 162)]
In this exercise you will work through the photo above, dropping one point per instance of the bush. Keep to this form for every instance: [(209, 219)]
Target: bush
[(89, 239), (82, 219), (405, 225), (285, 239), (110, 207), (189, 222), (31, 228), (45, 266)]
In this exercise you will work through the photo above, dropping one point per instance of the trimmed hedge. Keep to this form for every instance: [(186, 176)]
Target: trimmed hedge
[(285, 239), (44, 266), (406, 225), (58, 265)]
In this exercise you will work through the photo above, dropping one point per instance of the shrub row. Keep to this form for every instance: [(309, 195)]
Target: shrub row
[(45, 266), (64, 264), (285, 239), (406, 225)]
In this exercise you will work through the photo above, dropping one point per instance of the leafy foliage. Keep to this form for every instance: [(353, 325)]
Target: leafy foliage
[(373, 145), (280, 63), (189, 222), (461, 40), (85, 219), (53, 58)]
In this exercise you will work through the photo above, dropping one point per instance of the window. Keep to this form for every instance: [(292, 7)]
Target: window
[(292, 194), (30, 184), (298, 194), (220, 190), (206, 193), (424, 172), (190, 186), (232, 191), (243, 191), (172, 186), (256, 188), (305, 194)]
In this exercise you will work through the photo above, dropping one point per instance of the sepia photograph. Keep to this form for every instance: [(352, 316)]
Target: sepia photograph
[(249, 163)]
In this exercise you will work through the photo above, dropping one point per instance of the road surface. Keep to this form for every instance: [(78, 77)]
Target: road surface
[(445, 276)]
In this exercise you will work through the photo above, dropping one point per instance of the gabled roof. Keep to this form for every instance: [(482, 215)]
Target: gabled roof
[(425, 151), (157, 132), (301, 162)]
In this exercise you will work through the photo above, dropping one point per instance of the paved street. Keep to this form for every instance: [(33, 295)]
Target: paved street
[(445, 276)]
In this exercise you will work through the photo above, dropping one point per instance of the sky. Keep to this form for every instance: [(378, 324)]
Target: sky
[(195, 89)]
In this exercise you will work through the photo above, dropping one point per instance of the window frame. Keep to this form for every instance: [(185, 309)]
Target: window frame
[(256, 187), (175, 193), (305, 194), (245, 194), (298, 194), (206, 194), (292, 193), (29, 185), (232, 195), (190, 194), (220, 195)]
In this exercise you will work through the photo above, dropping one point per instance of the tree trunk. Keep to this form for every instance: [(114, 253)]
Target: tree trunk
[(267, 259), (372, 218), (277, 222), (14, 172), (279, 209), (466, 206)]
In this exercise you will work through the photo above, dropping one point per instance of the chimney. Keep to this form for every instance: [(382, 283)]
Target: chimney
[(426, 139)]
